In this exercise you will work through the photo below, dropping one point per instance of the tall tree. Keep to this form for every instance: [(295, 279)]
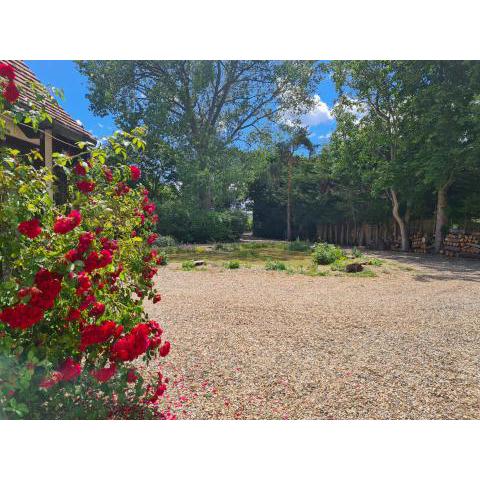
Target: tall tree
[(200, 108), (299, 138), (371, 91), (444, 100)]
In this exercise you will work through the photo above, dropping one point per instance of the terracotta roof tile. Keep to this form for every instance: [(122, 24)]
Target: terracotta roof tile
[(23, 79)]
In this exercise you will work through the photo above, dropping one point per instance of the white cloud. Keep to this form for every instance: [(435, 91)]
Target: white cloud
[(318, 114), (325, 136)]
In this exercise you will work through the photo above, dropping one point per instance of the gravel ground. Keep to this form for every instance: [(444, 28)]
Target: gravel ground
[(252, 344)]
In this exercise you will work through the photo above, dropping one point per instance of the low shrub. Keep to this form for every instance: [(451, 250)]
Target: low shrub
[(275, 265), (165, 241), (191, 225), (325, 254), (232, 264), (188, 265), (376, 262)]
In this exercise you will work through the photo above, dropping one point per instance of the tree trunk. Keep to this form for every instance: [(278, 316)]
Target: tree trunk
[(400, 222), (441, 216), (289, 207)]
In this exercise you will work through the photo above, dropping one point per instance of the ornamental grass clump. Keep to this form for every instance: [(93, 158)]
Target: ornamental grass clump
[(72, 282)]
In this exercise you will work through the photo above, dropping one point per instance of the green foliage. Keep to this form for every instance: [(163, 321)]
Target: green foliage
[(165, 241), (195, 169), (36, 347), (188, 265), (357, 253), (189, 225), (325, 254), (376, 262), (275, 265), (297, 246), (232, 264), (338, 265)]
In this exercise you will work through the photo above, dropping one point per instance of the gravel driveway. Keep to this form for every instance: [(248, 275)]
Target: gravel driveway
[(253, 344)]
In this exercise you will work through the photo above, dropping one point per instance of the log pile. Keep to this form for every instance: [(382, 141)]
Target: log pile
[(458, 244), (420, 243)]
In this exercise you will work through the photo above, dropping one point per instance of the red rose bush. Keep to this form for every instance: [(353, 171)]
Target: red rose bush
[(73, 330)]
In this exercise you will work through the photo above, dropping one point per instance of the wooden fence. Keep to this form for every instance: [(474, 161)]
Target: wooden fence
[(378, 236)]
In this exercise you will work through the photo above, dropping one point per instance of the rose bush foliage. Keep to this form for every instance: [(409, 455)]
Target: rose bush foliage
[(73, 278)]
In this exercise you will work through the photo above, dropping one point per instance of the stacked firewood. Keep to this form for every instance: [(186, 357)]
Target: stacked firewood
[(458, 244), (420, 243)]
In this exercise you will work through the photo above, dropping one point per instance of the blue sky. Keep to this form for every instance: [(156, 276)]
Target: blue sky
[(64, 74)]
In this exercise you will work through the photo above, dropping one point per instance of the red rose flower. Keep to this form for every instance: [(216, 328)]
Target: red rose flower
[(73, 255), (131, 376), (97, 309), (21, 316), (108, 244), (135, 173), (88, 300), (164, 349), (70, 370), (85, 186), (95, 260), (7, 71), (149, 208), (104, 374), (74, 314), (79, 169), (84, 283), (84, 241), (93, 334), (30, 228), (66, 224), (133, 344), (24, 292), (151, 239), (11, 93), (157, 298)]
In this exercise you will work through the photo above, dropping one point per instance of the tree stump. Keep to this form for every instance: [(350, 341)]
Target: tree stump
[(353, 267)]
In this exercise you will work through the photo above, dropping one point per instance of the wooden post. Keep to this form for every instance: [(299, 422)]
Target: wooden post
[(46, 149)]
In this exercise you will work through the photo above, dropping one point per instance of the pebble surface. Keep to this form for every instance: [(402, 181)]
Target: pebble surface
[(256, 344)]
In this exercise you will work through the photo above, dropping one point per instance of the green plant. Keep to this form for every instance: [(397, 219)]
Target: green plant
[(232, 264), (162, 258), (356, 252), (376, 262), (325, 254), (64, 271), (188, 265), (297, 246), (338, 265), (275, 265), (165, 241)]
